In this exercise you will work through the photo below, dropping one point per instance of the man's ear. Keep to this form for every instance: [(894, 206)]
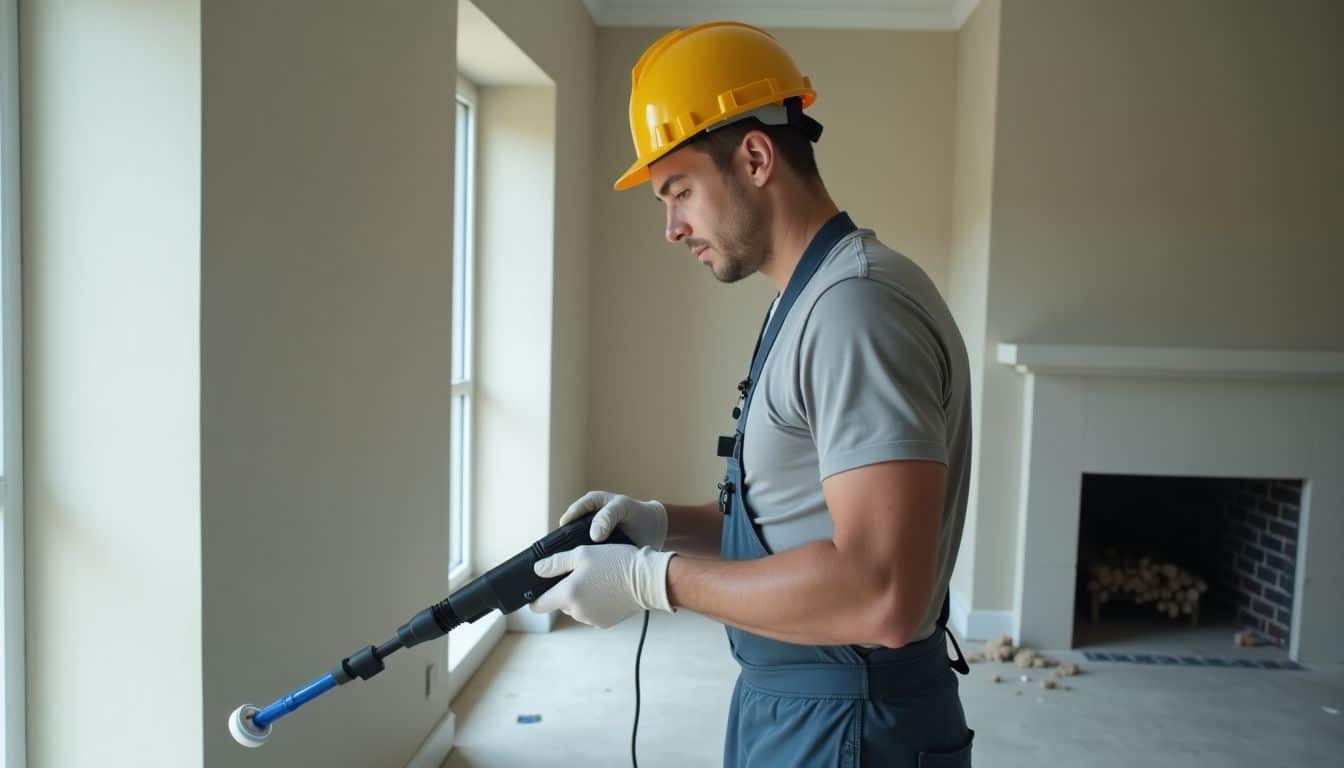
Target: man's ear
[(757, 156)]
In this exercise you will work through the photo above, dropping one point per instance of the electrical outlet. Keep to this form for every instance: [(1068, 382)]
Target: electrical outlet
[(429, 680)]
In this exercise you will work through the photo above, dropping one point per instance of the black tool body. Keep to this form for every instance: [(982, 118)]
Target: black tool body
[(513, 584), (506, 588)]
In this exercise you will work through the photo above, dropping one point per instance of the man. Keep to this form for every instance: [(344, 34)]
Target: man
[(828, 553)]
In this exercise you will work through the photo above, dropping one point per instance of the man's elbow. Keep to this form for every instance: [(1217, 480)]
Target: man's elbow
[(897, 636), (896, 624), (893, 607)]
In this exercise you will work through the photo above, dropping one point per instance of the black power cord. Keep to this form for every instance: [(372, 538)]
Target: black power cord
[(634, 732)]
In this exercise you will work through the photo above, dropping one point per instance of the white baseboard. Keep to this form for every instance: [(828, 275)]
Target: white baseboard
[(978, 625), (437, 745)]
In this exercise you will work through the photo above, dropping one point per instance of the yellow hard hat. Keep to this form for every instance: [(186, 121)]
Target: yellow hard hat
[(692, 79)]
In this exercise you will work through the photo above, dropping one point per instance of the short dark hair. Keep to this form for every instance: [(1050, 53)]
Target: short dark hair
[(790, 143)]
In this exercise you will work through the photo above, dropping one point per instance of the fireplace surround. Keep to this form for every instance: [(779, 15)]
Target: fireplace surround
[(1219, 413)]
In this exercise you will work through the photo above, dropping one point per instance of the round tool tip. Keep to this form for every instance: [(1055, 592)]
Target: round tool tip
[(246, 732)]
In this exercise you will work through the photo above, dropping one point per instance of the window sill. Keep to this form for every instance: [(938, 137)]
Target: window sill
[(469, 646)]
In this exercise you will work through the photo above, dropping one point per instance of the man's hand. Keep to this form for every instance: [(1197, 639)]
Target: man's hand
[(607, 583), (645, 522)]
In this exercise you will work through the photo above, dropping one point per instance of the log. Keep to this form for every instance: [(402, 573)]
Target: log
[(1170, 589)]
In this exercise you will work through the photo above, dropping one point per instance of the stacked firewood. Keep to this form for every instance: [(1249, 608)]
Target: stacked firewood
[(1169, 588)]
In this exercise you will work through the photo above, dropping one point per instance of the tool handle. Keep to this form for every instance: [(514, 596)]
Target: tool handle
[(505, 588), (513, 584)]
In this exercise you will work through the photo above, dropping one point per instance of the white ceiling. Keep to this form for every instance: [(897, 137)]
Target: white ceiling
[(843, 14)]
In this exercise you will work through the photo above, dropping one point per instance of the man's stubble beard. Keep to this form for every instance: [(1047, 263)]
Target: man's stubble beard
[(745, 247)]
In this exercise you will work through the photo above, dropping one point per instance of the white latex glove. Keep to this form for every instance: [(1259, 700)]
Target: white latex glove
[(645, 522), (607, 583)]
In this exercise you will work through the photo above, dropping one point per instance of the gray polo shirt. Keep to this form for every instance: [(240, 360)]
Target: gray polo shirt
[(868, 367)]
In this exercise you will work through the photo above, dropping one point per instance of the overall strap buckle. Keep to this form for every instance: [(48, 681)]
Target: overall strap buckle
[(742, 387), (726, 445), (726, 489)]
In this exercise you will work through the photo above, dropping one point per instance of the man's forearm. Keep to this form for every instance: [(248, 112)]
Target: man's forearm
[(694, 531), (810, 595)]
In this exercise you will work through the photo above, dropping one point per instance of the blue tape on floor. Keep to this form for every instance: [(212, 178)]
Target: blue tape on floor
[(1189, 661)]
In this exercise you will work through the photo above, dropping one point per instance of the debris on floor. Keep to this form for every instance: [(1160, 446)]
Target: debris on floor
[(1247, 639), (996, 679), (1026, 679), (529, 719), (1049, 684), (1001, 649), (1327, 710)]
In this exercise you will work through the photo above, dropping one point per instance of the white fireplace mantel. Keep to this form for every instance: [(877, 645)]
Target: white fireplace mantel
[(1073, 359), (1176, 412)]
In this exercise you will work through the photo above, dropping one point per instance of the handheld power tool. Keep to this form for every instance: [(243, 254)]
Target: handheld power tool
[(506, 588)]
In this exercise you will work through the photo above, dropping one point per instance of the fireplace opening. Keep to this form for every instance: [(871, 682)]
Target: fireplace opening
[(1191, 560)]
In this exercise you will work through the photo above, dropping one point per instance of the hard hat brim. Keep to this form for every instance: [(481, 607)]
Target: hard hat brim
[(637, 174)]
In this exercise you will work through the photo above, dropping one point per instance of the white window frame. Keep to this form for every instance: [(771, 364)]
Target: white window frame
[(13, 702), (464, 289)]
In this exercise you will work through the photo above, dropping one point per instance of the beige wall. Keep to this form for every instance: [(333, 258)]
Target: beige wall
[(1178, 182), (968, 263), (111, 232), (238, 317), (1163, 175), (325, 317), (668, 342)]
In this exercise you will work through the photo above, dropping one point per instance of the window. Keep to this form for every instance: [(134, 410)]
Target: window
[(459, 516), (12, 712)]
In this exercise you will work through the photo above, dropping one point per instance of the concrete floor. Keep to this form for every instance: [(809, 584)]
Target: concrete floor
[(1150, 635), (580, 681)]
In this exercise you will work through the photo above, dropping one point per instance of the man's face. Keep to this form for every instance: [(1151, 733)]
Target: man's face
[(720, 217)]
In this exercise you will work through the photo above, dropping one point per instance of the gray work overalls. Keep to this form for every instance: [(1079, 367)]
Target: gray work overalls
[(839, 705)]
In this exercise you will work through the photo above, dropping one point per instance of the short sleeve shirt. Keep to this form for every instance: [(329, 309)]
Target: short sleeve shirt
[(868, 367)]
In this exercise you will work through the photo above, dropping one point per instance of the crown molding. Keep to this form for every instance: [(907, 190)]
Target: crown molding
[(838, 15)]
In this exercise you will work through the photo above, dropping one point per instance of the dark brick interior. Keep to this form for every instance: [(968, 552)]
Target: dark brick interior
[(1258, 554), (1240, 535)]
